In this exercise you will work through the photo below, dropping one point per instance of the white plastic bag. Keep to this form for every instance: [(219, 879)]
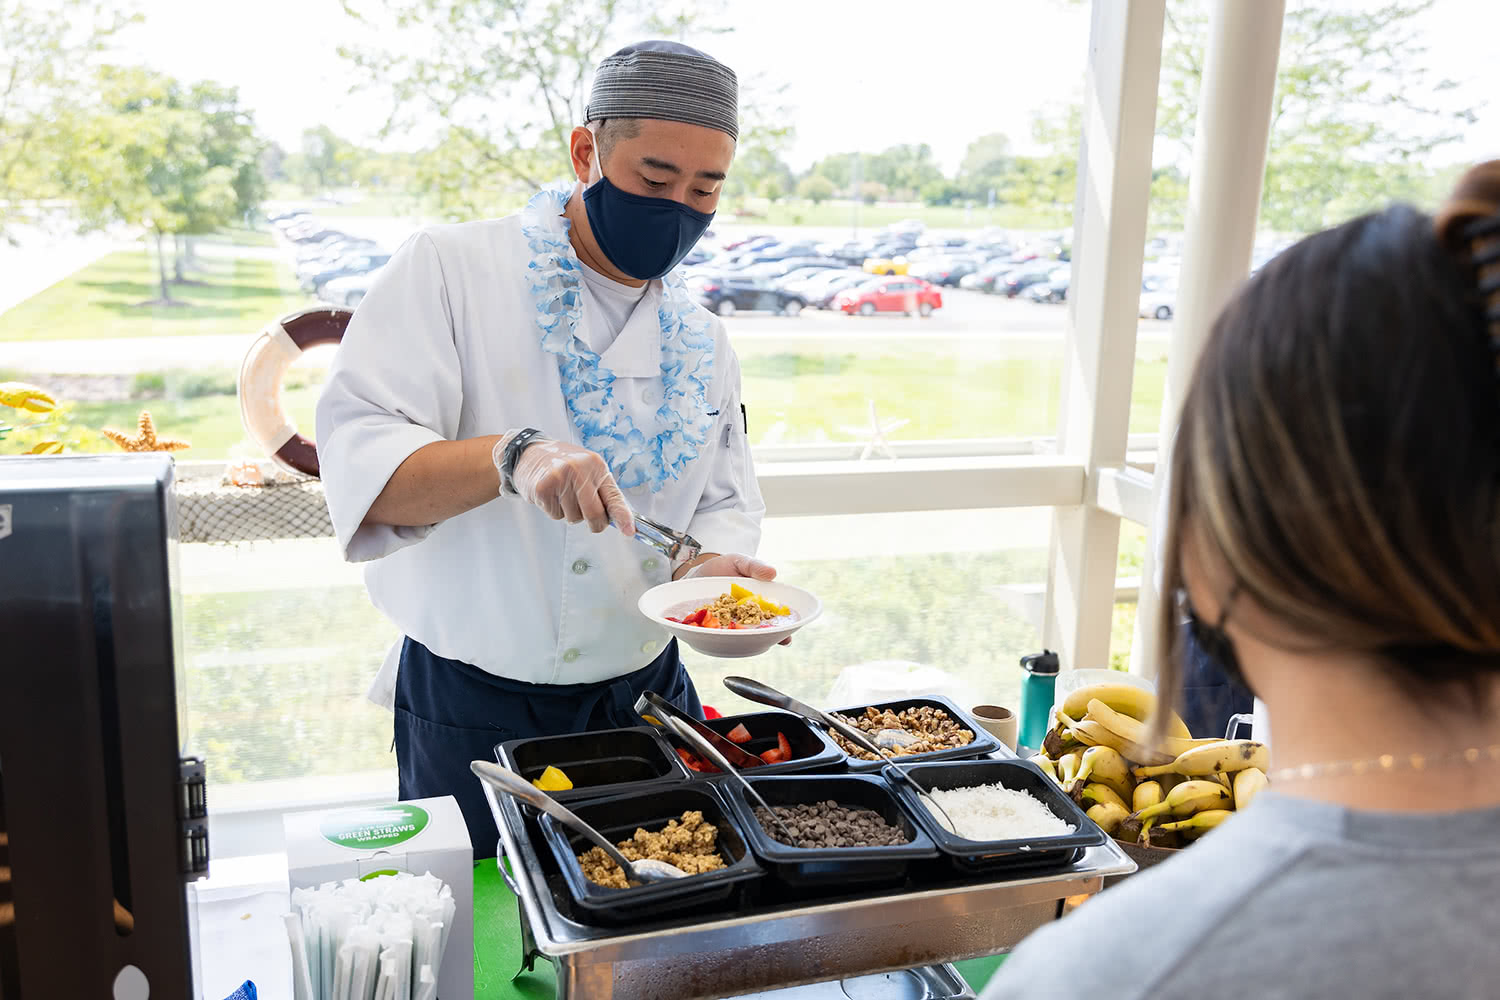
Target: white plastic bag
[(892, 680), (1069, 681)]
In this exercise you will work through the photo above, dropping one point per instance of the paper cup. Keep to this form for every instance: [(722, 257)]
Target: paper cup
[(999, 722)]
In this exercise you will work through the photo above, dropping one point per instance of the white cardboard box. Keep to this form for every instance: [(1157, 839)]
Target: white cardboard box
[(424, 835)]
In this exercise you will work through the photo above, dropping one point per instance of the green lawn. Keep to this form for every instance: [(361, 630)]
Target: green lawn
[(814, 396), (211, 423), (803, 398), (229, 295)]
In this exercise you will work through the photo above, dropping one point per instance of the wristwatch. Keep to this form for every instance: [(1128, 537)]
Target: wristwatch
[(512, 455)]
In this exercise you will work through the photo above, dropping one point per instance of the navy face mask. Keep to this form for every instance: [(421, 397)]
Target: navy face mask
[(1214, 641), (643, 237)]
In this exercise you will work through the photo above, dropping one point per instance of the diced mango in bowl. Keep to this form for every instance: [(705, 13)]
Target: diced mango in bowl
[(744, 594)]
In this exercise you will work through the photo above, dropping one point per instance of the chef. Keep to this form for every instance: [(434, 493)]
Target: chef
[(507, 395)]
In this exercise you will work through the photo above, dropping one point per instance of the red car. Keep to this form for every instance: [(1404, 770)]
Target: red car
[(890, 294)]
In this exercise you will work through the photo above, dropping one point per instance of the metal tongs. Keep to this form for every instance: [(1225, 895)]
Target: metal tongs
[(659, 712), (677, 546), (767, 695)]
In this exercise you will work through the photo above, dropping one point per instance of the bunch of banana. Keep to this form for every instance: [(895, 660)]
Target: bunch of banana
[(1155, 792)]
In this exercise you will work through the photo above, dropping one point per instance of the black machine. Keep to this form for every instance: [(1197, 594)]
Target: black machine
[(102, 820)]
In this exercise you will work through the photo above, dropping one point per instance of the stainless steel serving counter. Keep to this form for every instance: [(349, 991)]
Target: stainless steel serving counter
[(764, 949)]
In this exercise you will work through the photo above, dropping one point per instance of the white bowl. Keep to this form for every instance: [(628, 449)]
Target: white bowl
[(656, 602)]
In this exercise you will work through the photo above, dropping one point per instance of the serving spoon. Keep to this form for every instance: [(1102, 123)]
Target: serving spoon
[(644, 872)]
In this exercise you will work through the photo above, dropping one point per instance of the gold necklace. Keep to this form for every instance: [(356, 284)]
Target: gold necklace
[(1384, 763)]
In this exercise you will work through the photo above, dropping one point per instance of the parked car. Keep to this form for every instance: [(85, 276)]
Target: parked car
[(1053, 289), (853, 252), (798, 275), (821, 290), (900, 294), (779, 268), (750, 242), (886, 265), (332, 251), (1023, 277), (697, 255), (360, 263), (299, 223), (289, 216), (1158, 298), (983, 280), (349, 290), (946, 270), (731, 293), (316, 235)]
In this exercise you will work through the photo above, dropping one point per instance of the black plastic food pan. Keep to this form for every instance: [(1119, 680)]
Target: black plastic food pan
[(987, 855), (601, 762), (811, 749), (982, 745), (821, 866), (617, 818)]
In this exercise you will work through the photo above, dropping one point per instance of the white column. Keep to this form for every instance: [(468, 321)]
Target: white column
[(1229, 164), (1109, 233)]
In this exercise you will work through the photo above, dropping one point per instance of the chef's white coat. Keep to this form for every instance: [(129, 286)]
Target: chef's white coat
[(445, 346)]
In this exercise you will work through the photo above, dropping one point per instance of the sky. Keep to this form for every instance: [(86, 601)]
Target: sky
[(859, 74)]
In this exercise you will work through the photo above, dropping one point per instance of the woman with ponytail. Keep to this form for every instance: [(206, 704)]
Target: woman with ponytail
[(1333, 541)]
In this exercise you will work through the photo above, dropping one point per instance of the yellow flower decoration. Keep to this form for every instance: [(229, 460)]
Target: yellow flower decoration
[(22, 396), (46, 448)]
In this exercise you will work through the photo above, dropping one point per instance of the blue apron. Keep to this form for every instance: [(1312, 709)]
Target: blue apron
[(449, 713)]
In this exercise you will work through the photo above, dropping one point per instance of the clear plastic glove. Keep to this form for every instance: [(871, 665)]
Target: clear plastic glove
[(568, 483), (733, 564)]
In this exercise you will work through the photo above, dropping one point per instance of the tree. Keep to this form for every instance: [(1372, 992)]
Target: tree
[(161, 156), (986, 164), (815, 188), (838, 168), (1351, 121), (872, 191), (506, 79), (941, 192), (327, 159), (40, 95), (759, 169), (905, 169), (1046, 182)]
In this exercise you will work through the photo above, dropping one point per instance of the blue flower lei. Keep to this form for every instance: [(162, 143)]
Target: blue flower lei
[(637, 456)]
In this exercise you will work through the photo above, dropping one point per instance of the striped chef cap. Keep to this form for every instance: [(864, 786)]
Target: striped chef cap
[(667, 81)]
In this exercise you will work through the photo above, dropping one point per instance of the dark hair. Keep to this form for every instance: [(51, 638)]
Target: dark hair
[(611, 130), (1339, 452)]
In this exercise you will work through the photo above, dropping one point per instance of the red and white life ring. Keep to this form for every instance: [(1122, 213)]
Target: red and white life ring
[(261, 375)]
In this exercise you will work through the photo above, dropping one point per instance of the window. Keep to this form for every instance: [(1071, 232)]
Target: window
[(118, 311)]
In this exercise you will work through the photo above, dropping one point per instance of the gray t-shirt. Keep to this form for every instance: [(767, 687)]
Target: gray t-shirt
[(1292, 899)]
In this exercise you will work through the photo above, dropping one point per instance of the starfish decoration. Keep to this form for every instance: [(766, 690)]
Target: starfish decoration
[(145, 438), (876, 432)]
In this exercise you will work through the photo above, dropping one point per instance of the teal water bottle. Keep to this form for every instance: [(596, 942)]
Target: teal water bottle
[(1036, 696)]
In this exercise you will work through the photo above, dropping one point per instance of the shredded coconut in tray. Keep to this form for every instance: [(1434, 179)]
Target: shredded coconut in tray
[(994, 812)]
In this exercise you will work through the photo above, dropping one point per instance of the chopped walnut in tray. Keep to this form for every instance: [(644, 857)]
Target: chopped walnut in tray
[(933, 727), (689, 843)]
